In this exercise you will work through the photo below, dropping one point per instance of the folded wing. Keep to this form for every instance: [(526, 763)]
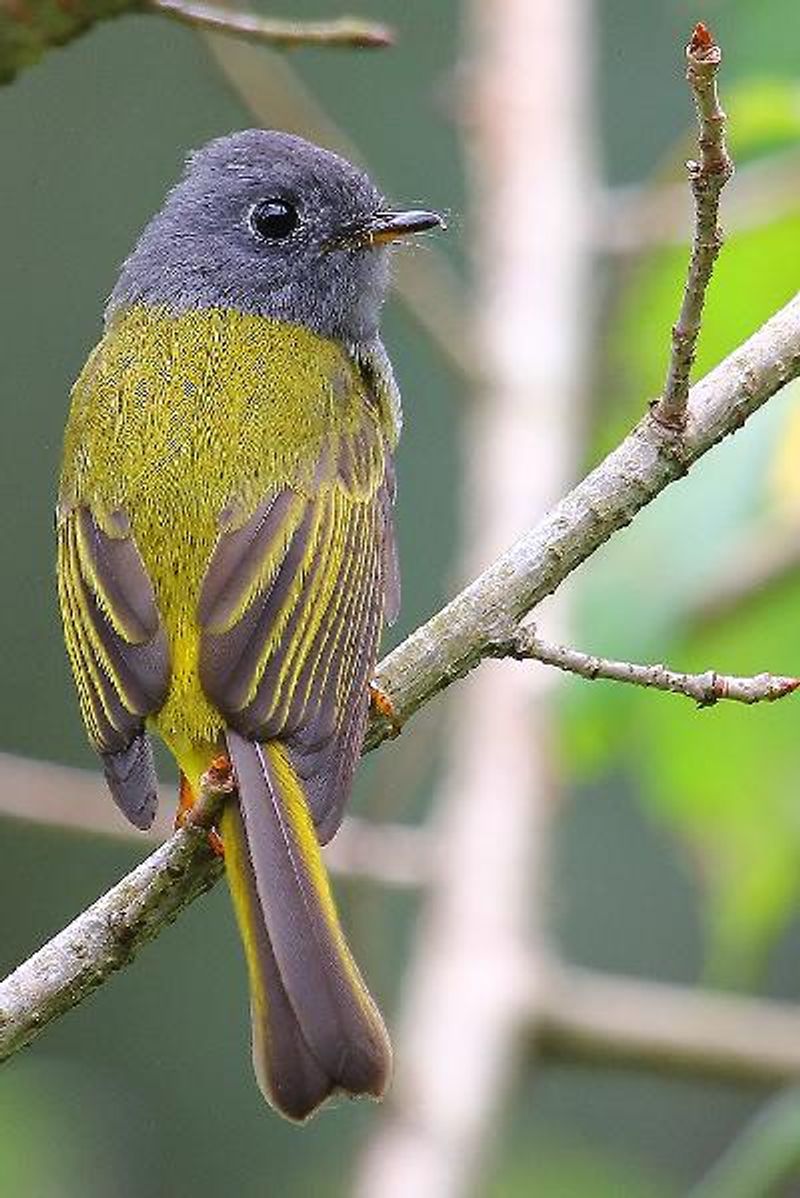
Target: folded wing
[(291, 609), (118, 649)]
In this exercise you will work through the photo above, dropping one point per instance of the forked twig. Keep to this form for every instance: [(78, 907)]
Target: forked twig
[(707, 177)]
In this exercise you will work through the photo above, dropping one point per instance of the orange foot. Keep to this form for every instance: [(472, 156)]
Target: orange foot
[(219, 773), (185, 803), (384, 707)]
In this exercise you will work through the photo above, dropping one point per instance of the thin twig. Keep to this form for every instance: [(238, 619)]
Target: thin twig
[(459, 636), (444, 649), (706, 178), (706, 689), (598, 1017), (342, 32)]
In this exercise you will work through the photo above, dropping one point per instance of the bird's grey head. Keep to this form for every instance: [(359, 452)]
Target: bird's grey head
[(267, 223)]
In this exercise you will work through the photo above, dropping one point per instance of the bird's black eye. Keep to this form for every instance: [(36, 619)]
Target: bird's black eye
[(272, 219)]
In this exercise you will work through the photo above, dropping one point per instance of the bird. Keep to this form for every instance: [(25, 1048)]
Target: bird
[(227, 556)]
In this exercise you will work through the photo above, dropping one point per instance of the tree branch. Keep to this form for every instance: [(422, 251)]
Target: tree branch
[(388, 854), (706, 689), (674, 1029), (530, 181), (343, 32), (444, 649), (458, 637), (109, 934), (28, 28), (707, 178), (77, 960), (105, 937)]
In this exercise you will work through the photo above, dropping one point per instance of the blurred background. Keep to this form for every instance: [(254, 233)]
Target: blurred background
[(623, 830)]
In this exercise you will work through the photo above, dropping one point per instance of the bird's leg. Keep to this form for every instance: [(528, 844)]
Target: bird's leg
[(185, 802), (384, 707), (218, 777), (216, 843)]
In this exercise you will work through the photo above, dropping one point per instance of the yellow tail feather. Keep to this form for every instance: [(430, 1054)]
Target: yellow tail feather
[(316, 1028)]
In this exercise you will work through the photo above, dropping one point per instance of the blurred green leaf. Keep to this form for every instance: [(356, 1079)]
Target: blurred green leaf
[(722, 779), (725, 778), (633, 601), (756, 273), (763, 116)]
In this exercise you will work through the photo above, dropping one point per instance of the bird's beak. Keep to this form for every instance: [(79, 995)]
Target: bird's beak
[(383, 227), (388, 226)]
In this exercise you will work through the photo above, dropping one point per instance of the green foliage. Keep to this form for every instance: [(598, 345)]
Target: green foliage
[(756, 273), (725, 779), (764, 116)]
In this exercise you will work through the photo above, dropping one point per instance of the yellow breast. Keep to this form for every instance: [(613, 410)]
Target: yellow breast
[(183, 420)]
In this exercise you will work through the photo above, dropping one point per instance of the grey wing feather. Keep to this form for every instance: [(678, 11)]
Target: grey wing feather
[(131, 777), (290, 613), (118, 650)]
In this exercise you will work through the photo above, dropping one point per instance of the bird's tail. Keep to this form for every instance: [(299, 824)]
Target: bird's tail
[(316, 1029)]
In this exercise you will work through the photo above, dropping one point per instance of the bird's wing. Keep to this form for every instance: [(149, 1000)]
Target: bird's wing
[(291, 609), (118, 649)]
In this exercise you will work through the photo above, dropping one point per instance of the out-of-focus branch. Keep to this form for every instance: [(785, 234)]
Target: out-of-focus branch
[(30, 27), (387, 854), (706, 689), (109, 934), (41, 791), (765, 559), (427, 284), (763, 1158), (707, 178), (635, 219), (527, 137), (597, 1018), (274, 32)]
